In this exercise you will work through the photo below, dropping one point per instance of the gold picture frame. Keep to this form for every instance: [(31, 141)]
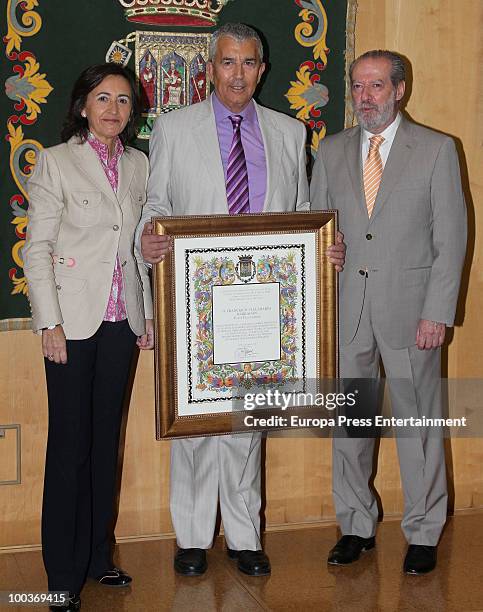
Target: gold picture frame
[(180, 321)]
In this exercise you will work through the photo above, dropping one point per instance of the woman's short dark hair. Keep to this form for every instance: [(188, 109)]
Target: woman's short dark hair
[(76, 125)]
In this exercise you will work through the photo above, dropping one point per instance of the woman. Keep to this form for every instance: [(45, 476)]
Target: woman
[(90, 298)]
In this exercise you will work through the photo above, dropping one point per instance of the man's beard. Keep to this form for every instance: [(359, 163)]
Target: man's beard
[(380, 117)]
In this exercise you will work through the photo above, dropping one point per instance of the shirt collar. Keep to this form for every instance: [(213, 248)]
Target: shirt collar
[(102, 149), (389, 133), (249, 113)]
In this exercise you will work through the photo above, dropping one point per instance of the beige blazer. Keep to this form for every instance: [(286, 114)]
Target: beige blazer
[(414, 244), (187, 171), (76, 227)]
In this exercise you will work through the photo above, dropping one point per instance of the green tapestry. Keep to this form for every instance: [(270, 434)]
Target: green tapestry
[(49, 42)]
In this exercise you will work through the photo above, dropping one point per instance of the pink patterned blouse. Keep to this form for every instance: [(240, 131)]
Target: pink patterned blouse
[(116, 305)]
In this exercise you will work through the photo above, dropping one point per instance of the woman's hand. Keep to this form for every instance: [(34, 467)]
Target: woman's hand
[(54, 346), (146, 341)]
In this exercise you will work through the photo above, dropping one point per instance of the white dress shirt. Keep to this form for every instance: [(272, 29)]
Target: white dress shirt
[(388, 135)]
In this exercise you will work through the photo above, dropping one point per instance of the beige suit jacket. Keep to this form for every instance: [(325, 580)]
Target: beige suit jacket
[(187, 171), (187, 178), (76, 227), (414, 244)]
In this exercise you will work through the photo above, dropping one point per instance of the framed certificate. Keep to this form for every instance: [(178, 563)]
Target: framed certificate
[(241, 302)]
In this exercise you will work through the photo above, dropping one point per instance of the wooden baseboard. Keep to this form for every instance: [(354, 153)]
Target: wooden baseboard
[(269, 529)]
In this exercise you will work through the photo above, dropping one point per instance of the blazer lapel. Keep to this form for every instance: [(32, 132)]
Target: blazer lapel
[(273, 145), (396, 163), (126, 173), (91, 167), (206, 137), (354, 164)]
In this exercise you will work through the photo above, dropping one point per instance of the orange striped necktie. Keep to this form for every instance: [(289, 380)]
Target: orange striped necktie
[(372, 172)]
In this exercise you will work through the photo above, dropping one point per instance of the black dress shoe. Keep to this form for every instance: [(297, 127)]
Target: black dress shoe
[(190, 561), (420, 559), (114, 577), (71, 605), (251, 562), (349, 548)]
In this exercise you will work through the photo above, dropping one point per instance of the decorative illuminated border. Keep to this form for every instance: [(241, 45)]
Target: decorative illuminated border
[(307, 95), (27, 88)]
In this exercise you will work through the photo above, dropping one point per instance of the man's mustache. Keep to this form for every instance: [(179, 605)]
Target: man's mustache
[(365, 107)]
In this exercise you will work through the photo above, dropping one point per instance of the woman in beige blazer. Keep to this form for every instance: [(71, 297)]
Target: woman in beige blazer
[(91, 301)]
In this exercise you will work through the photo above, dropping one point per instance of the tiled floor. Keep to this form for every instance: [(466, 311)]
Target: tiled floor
[(300, 580)]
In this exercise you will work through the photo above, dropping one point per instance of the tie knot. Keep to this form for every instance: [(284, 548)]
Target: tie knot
[(376, 141), (235, 120)]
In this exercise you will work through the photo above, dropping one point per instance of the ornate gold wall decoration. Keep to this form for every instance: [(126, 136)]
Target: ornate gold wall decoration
[(28, 89), (306, 94)]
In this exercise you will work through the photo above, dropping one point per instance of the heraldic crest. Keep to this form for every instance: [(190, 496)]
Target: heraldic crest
[(174, 12), (171, 67)]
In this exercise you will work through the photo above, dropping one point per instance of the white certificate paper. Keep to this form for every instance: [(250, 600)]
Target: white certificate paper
[(245, 317), (246, 322)]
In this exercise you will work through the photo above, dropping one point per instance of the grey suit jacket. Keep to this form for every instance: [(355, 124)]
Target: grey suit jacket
[(187, 178), (77, 225), (413, 246)]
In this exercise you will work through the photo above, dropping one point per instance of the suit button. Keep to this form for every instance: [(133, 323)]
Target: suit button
[(115, 227), (58, 287), (368, 236), (362, 272), (85, 202)]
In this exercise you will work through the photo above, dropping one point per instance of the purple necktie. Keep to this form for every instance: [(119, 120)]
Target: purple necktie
[(236, 173)]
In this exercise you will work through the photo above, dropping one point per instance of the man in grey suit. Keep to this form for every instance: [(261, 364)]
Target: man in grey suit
[(397, 188), (198, 164)]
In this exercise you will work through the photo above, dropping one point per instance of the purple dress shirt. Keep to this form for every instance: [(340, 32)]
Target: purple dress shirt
[(252, 145)]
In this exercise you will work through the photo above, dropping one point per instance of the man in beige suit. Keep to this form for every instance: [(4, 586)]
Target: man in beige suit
[(190, 154), (398, 191)]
